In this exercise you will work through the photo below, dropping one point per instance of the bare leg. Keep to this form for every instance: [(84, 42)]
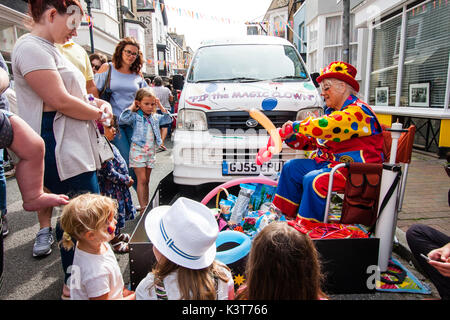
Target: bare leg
[(143, 178), (30, 148), (163, 134)]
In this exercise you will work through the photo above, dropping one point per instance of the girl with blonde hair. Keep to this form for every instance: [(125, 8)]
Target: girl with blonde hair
[(144, 120), (95, 273)]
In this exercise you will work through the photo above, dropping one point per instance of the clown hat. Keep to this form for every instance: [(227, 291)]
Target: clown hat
[(342, 71)]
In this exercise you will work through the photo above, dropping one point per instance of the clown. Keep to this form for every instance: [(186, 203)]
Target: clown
[(348, 132)]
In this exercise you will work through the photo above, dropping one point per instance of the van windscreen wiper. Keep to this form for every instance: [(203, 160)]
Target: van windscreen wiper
[(289, 77), (240, 79)]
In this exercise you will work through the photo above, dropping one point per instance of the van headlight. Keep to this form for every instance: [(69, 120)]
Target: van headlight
[(314, 112), (192, 120)]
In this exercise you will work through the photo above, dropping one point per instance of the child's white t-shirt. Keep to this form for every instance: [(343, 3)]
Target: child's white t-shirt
[(146, 291), (93, 275)]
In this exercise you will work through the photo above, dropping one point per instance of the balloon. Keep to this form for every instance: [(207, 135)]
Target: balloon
[(263, 155), (269, 126), (287, 130), (236, 182), (236, 253)]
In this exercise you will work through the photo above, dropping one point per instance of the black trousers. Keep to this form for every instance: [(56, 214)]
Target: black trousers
[(423, 239)]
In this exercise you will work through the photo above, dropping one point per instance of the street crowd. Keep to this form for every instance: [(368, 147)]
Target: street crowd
[(86, 130)]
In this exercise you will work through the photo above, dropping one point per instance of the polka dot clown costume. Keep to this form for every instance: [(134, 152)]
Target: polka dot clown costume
[(351, 133)]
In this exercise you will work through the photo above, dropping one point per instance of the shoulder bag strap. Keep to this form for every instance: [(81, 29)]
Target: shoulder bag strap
[(107, 81), (389, 193)]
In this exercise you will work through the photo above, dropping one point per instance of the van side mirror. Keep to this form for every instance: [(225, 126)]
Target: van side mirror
[(314, 77)]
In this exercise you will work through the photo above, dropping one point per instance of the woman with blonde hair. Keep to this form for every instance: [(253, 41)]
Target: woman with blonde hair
[(90, 220), (125, 80)]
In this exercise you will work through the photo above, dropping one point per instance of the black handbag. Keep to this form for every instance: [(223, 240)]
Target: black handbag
[(106, 92)]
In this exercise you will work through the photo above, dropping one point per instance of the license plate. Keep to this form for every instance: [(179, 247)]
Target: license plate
[(250, 168)]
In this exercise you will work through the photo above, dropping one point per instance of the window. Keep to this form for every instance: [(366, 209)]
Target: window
[(252, 30), (260, 62), (144, 5), (312, 62), (302, 37), (106, 6), (384, 63), (95, 4), (333, 40), (427, 51), (128, 4), (7, 37), (426, 56), (279, 27)]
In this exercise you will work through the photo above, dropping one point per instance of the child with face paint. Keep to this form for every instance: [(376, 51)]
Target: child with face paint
[(95, 273)]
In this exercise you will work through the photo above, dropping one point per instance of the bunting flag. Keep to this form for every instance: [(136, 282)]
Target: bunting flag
[(436, 4), (193, 14)]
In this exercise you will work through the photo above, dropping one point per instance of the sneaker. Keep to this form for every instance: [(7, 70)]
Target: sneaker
[(5, 226), (43, 243)]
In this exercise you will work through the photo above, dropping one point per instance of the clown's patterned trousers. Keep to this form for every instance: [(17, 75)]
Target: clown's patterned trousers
[(302, 188)]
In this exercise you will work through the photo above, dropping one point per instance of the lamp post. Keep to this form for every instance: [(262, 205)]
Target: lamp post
[(346, 31), (88, 3)]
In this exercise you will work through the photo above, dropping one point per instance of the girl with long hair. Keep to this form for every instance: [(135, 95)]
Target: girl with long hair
[(145, 123), (283, 264)]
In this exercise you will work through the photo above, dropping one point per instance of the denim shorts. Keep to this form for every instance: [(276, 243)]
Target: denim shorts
[(82, 183)]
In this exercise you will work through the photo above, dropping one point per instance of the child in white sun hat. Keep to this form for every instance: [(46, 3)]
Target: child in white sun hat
[(184, 243)]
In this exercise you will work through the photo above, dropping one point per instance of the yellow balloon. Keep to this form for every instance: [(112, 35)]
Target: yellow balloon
[(271, 129)]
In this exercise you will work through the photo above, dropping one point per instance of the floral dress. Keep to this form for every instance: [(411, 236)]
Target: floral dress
[(145, 156), (113, 178)]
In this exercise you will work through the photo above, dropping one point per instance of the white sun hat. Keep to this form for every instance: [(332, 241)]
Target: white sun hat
[(185, 233)]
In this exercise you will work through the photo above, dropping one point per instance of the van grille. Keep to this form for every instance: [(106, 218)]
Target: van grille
[(236, 119)]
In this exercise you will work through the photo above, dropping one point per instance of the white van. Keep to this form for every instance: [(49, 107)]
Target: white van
[(215, 138)]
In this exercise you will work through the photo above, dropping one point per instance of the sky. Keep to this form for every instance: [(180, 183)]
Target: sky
[(211, 18)]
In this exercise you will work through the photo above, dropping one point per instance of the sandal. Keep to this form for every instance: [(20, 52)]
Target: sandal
[(125, 237), (120, 247)]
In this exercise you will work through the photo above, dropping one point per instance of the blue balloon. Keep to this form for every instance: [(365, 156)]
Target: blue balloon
[(269, 104), (236, 253)]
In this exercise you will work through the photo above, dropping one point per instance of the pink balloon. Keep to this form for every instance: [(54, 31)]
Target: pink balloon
[(263, 156), (287, 130)]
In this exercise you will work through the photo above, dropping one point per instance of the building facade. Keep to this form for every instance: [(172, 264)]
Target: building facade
[(407, 66), (324, 34), (277, 17)]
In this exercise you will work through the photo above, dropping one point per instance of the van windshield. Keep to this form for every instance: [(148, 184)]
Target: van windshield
[(246, 63)]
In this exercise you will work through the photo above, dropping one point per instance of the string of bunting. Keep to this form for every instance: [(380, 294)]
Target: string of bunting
[(278, 26), (190, 13), (423, 8), (164, 63)]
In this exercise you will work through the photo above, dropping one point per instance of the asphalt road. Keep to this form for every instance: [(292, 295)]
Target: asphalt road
[(28, 278)]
